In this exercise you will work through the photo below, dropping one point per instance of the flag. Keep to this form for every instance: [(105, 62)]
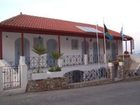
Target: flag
[(107, 34), (122, 37)]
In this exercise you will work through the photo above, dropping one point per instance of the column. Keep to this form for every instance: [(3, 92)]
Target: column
[(1, 57), (59, 61), (59, 43), (85, 46), (85, 52), (24, 78), (1, 80), (125, 45), (22, 57), (22, 44)]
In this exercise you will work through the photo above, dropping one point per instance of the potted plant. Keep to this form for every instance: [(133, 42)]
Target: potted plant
[(40, 50), (58, 62), (121, 63), (110, 63), (57, 57)]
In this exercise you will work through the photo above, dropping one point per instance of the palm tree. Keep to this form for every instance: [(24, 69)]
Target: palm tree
[(40, 50), (56, 55)]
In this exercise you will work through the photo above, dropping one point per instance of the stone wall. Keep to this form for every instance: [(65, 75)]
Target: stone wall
[(47, 84), (60, 83), (89, 83)]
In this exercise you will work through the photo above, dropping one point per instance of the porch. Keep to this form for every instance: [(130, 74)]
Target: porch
[(74, 49)]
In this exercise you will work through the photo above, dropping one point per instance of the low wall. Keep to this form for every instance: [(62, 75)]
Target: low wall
[(60, 83), (47, 84)]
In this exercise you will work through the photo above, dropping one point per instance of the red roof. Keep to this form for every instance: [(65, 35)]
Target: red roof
[(47, 24)]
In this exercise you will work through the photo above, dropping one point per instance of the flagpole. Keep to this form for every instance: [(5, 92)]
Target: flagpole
[(122, 36), (97, 38), (105, 55)]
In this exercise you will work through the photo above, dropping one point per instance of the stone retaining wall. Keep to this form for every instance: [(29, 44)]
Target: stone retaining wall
[(60, 83), (47, 84), (89, 83)]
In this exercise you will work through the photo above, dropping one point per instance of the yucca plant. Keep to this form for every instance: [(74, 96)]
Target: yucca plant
[(55, 55), (40, 50)]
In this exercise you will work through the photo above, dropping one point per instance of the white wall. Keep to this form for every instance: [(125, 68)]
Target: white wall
[(8, 42), (10, 37), (66, 45)]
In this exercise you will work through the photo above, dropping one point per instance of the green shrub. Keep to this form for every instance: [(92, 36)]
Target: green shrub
[(54, 69)]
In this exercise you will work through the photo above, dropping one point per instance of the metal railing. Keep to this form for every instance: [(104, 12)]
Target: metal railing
[(70, 60), (93, 59), (81, 76), (11, 77), (39, 62)]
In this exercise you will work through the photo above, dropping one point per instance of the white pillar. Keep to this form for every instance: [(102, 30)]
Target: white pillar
[(85, 59), (24, 78), (60, 62), (111, 70), (22, 60), (1, 80)]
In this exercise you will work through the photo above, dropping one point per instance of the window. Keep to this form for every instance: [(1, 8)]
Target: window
[(74, 44), (37, 41)]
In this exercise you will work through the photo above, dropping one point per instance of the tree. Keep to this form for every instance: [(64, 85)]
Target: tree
[(40, 50), (55, 55)]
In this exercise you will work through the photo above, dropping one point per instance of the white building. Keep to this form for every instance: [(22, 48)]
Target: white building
[(19, 34)]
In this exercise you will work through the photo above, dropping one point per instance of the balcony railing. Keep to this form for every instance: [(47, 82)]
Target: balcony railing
[(92, 59), (42, 62), (69, 60)]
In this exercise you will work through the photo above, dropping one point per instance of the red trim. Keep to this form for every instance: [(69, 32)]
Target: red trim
[(104, 42), (37, 23), (53, 32), (1, 45), (59, 43), (22, 44), (85, 46)]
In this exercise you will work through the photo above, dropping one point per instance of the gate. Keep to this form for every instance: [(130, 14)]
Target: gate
[(11, 77)]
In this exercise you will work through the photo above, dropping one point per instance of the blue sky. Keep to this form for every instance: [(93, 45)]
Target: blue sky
[(114, 12)]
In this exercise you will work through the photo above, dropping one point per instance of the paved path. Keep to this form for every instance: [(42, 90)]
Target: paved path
[(127, 93)]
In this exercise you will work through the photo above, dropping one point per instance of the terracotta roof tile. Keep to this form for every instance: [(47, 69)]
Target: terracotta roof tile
[(34, 22)]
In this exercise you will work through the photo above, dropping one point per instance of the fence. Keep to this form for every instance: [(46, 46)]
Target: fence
[(69, 60), (81, 76), (11, 77)]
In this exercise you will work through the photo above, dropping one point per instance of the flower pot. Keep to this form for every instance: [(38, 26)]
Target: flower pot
[(60, 62), (110, 64), (121, 63), (54, 74), (38, 76)]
